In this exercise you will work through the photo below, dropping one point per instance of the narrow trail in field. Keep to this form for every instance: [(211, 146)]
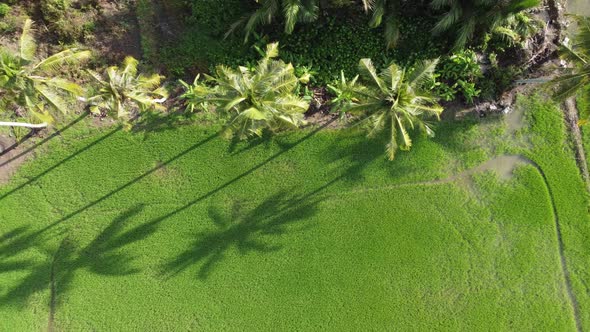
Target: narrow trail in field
[(564, 268), (504, 166)]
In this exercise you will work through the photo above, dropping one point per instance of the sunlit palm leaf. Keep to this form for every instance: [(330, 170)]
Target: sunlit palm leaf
[(67, 57), (367, 69), (27, 44), (51, 97)]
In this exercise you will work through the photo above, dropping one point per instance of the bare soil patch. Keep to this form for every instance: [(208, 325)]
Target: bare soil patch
[(117, 32), (11, 160)]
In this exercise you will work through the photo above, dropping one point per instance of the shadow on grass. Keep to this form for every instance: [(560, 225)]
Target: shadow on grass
[(148, 122), (61, 162), (101, 256), (245, 231), (104, 255), (37, 145), (237, 146), (156, 122)]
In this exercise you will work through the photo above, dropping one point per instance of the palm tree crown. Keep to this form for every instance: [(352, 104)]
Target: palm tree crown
[(293, 11), (466, 17), (122, 92), (264, 97), (395, 100), (578, 55), (30, 87)]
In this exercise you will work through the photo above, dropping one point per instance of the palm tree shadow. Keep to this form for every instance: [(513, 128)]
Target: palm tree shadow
[(31, 134), (244, 231), (151, 122), (356, 152), (104, 255), (238, 146)]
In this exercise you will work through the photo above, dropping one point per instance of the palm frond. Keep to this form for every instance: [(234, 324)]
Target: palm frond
[(423, 73), (291, 9), (378, 12), (27, 43), (130, 66), (368, 71), (149, 82), (368, 4), (52, 98), (69, 56), (406, 141), (392, 145), (392, 32), (263, 15), (64, 85)]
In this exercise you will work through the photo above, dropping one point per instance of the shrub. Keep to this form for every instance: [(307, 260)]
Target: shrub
[(216, 15), (337, 43), (459, 74), (499, 79), (4, 9), (66, 22)]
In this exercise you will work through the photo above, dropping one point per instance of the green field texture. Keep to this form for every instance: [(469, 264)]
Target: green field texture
[(178, 229)]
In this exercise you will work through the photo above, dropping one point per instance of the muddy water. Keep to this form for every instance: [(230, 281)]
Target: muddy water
[(515, 120), (504, 166), (579, 7)]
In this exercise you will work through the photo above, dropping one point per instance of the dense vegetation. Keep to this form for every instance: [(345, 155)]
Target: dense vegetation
[(321, 39)]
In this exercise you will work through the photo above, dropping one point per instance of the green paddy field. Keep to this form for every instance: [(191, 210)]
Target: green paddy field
[(179, 229)]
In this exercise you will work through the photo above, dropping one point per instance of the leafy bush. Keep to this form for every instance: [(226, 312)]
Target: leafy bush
[(335, 43), (498, 80), (216, 15), (197, 51), (459, 74), (66, 22), (340, 3), (4, 9)]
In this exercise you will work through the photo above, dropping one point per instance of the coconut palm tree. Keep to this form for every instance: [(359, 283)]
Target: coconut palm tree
[(30, 88), (465, 18), (517, 28), (262, 98), (123, 93), (577, 54), (396, 100), (293, 12)]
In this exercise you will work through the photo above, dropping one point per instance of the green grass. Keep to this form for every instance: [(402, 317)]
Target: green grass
[(548, 135), (181, 230)]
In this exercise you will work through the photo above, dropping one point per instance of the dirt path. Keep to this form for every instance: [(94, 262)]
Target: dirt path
[(9, 162), (117, 32)]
